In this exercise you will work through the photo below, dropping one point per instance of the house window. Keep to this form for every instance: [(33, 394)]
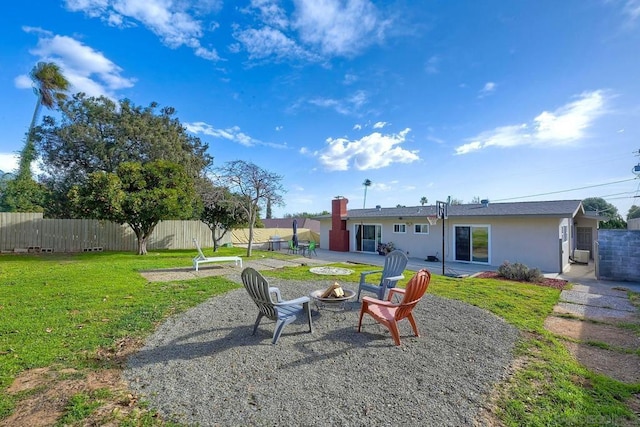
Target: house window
[(421, 229), (565, 234), (399, 228)]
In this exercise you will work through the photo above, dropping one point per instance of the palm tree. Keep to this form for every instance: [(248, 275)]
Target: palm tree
[(423, 200), (367, 183), (49, 85)]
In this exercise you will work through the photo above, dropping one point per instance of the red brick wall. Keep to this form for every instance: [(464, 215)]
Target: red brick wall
[(339, 235)]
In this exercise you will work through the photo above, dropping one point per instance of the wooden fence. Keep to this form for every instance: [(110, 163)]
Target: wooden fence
[(30, 232)]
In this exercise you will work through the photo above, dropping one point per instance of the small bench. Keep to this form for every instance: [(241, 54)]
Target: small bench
[(201, 259)]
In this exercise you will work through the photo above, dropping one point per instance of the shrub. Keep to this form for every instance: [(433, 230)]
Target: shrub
[(520, 272), (386, 247)]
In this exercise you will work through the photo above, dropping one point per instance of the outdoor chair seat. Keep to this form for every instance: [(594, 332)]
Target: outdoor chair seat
[(389, 314), (278, 310), (394, 264)]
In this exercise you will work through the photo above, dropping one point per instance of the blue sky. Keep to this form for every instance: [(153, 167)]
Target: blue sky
[(503, 100)]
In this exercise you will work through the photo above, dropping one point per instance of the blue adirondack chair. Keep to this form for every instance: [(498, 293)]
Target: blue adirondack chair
[(282, 312), (394, 264)]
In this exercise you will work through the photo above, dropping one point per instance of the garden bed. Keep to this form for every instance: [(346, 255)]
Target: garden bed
[(551, 283)]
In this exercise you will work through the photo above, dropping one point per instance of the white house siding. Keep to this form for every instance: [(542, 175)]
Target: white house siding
[(533, 241), (529, 240), (325, 227)]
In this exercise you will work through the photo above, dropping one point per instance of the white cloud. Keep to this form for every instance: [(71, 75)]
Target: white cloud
[(372, 151), (338, 27), (86, 69), (564, 126), (379, 125), (173, 22), (271, 42), (347, 106), (23, 82), (316, 29), (233, 134), (9, 162), (632, 9), (432, 65), (357, 126), (350, 79), (488, 89)]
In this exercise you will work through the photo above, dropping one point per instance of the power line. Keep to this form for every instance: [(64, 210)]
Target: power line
[(564, 191)]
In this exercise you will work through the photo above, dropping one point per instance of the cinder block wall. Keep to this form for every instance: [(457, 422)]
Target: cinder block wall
[(619, 255)]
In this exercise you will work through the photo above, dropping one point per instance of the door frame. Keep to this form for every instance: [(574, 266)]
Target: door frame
[(356, 239), (455, 243)]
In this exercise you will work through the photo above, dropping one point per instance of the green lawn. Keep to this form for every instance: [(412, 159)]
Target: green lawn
[(59, 311)]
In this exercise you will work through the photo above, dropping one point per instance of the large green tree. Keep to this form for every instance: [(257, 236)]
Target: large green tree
[(634, 212), (139, 195), (604, 208), (254, 185), (98, 135), (221, 210)]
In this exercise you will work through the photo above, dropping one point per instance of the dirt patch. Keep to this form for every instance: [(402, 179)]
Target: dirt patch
[(186, 273), (586, 331), (619, 366), (50, 390), (615, 362), (548, 282)]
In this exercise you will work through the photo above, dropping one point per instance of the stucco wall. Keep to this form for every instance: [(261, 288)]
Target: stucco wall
[(530, 240), (619, 255)]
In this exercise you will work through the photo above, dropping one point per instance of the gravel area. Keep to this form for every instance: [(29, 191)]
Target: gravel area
[(205, 368)]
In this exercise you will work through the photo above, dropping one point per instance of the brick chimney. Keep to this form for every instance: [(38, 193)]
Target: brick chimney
[(339, 235)]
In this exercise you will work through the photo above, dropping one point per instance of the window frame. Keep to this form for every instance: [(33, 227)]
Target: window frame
[(397, 226), (422, 227)]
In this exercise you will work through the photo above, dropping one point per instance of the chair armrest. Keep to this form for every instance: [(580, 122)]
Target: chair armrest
[(373, 301), (273, 289), (393, 291), (394, 278), (301, 300)]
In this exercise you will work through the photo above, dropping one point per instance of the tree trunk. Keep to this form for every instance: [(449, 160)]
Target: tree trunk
[(250, 239), (143, 236), (142, 244), (215, 241)]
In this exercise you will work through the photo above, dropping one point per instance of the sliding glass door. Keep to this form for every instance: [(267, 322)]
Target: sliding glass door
[(367, 237), (472, 243)]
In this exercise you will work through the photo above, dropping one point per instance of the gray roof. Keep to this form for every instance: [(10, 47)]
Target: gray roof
[(556, 208)]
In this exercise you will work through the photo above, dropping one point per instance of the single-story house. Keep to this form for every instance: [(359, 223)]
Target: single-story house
[(545, 234)]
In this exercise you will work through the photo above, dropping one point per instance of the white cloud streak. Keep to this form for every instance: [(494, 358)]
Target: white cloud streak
[(488, 89), (632, 9), (87, 70), (315, 30), (347, 106), (373, 151), (564, 126), (338, 27), (9, 162), (173, 22), (233, 134)]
